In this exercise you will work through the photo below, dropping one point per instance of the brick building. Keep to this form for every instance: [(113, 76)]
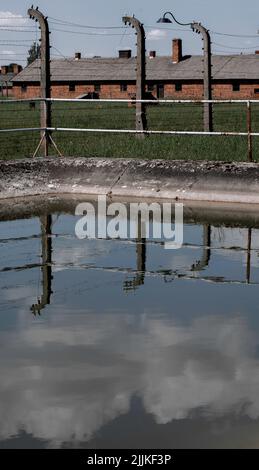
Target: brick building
[(7, 73), (175, 76)]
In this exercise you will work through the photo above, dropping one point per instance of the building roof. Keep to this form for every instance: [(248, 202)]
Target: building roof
[(225, 67), (6, 79)]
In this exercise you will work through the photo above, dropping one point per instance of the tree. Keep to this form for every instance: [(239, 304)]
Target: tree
[(34, 53)]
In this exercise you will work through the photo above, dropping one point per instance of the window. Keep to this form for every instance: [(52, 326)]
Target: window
[(256, 91), (24, 88), (150, 87), (97, 87), (178, 87), (124, 87), (236, 87), (72, 87), (160, 91)]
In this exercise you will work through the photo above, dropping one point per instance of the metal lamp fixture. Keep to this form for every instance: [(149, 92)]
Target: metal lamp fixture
[(164, 19)]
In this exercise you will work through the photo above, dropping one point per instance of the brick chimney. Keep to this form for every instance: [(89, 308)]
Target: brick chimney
[(152, 54), (16, 68), (125, 54), (4, 69), (77, 55), (177, 54)]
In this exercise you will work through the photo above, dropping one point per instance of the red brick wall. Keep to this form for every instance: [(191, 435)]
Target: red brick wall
[(219, 91), (112, 91), (33, 91), (5, 92), (189, 91), (226, 90), (62, 91)]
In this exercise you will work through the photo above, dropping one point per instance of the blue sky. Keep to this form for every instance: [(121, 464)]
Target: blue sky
[(232, 16)]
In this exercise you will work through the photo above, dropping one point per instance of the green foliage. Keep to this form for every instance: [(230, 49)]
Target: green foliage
[(120, 116), (34, 53)]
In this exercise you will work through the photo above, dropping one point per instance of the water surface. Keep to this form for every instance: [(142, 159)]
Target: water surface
[(109, 344)]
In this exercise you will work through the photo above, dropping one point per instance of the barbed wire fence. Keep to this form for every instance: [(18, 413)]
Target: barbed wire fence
[(175, 129), (106, 128)]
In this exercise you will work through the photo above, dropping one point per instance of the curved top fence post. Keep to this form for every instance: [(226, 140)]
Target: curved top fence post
[(207, 78), (45, 85), (141, 122)]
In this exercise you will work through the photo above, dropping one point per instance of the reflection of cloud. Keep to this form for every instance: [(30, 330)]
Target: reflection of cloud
[(156, 35), (78, 253), (64, 381), (236, 238), (18, 293)]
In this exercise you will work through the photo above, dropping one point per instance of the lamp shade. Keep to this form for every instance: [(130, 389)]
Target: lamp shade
[(164, 20)]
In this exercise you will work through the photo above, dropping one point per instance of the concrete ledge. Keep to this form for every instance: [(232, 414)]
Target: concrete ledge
[(157, 179), (233, 215)]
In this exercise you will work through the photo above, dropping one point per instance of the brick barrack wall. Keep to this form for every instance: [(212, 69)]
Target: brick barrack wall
[(113, 91)]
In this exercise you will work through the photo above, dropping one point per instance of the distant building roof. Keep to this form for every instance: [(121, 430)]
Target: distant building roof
[(227, 67), (6, 79)]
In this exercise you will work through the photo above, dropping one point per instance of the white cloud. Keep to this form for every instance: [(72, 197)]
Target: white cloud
[(11, 19), (10, 53), (156, 35)]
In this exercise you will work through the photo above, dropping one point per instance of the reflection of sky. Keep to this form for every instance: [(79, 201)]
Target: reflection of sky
[(188, 350)]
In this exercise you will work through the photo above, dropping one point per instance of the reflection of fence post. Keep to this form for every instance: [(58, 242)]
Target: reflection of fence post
[(141, 252), (45, 76), (207, 78), (141, 120), (248, 261), (46, 224), (204, 261), (249, 130), (141, 249)]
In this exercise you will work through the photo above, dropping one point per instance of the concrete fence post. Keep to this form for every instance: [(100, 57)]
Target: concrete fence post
[(249, 130), (45, 86), (141, 120), (207, 76)]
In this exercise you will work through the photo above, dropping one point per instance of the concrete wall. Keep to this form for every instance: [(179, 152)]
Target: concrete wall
[(162, 179)]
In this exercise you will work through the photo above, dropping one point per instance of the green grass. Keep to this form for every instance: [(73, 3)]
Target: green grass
[(120, 116)]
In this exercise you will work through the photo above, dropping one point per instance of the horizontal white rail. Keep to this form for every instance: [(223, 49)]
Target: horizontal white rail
[(24, 129), (132, 131), (132, 100), (129, 100), (22, 100), (128, 131)]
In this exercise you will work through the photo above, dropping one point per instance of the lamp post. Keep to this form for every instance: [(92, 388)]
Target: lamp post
[(207, 70)]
